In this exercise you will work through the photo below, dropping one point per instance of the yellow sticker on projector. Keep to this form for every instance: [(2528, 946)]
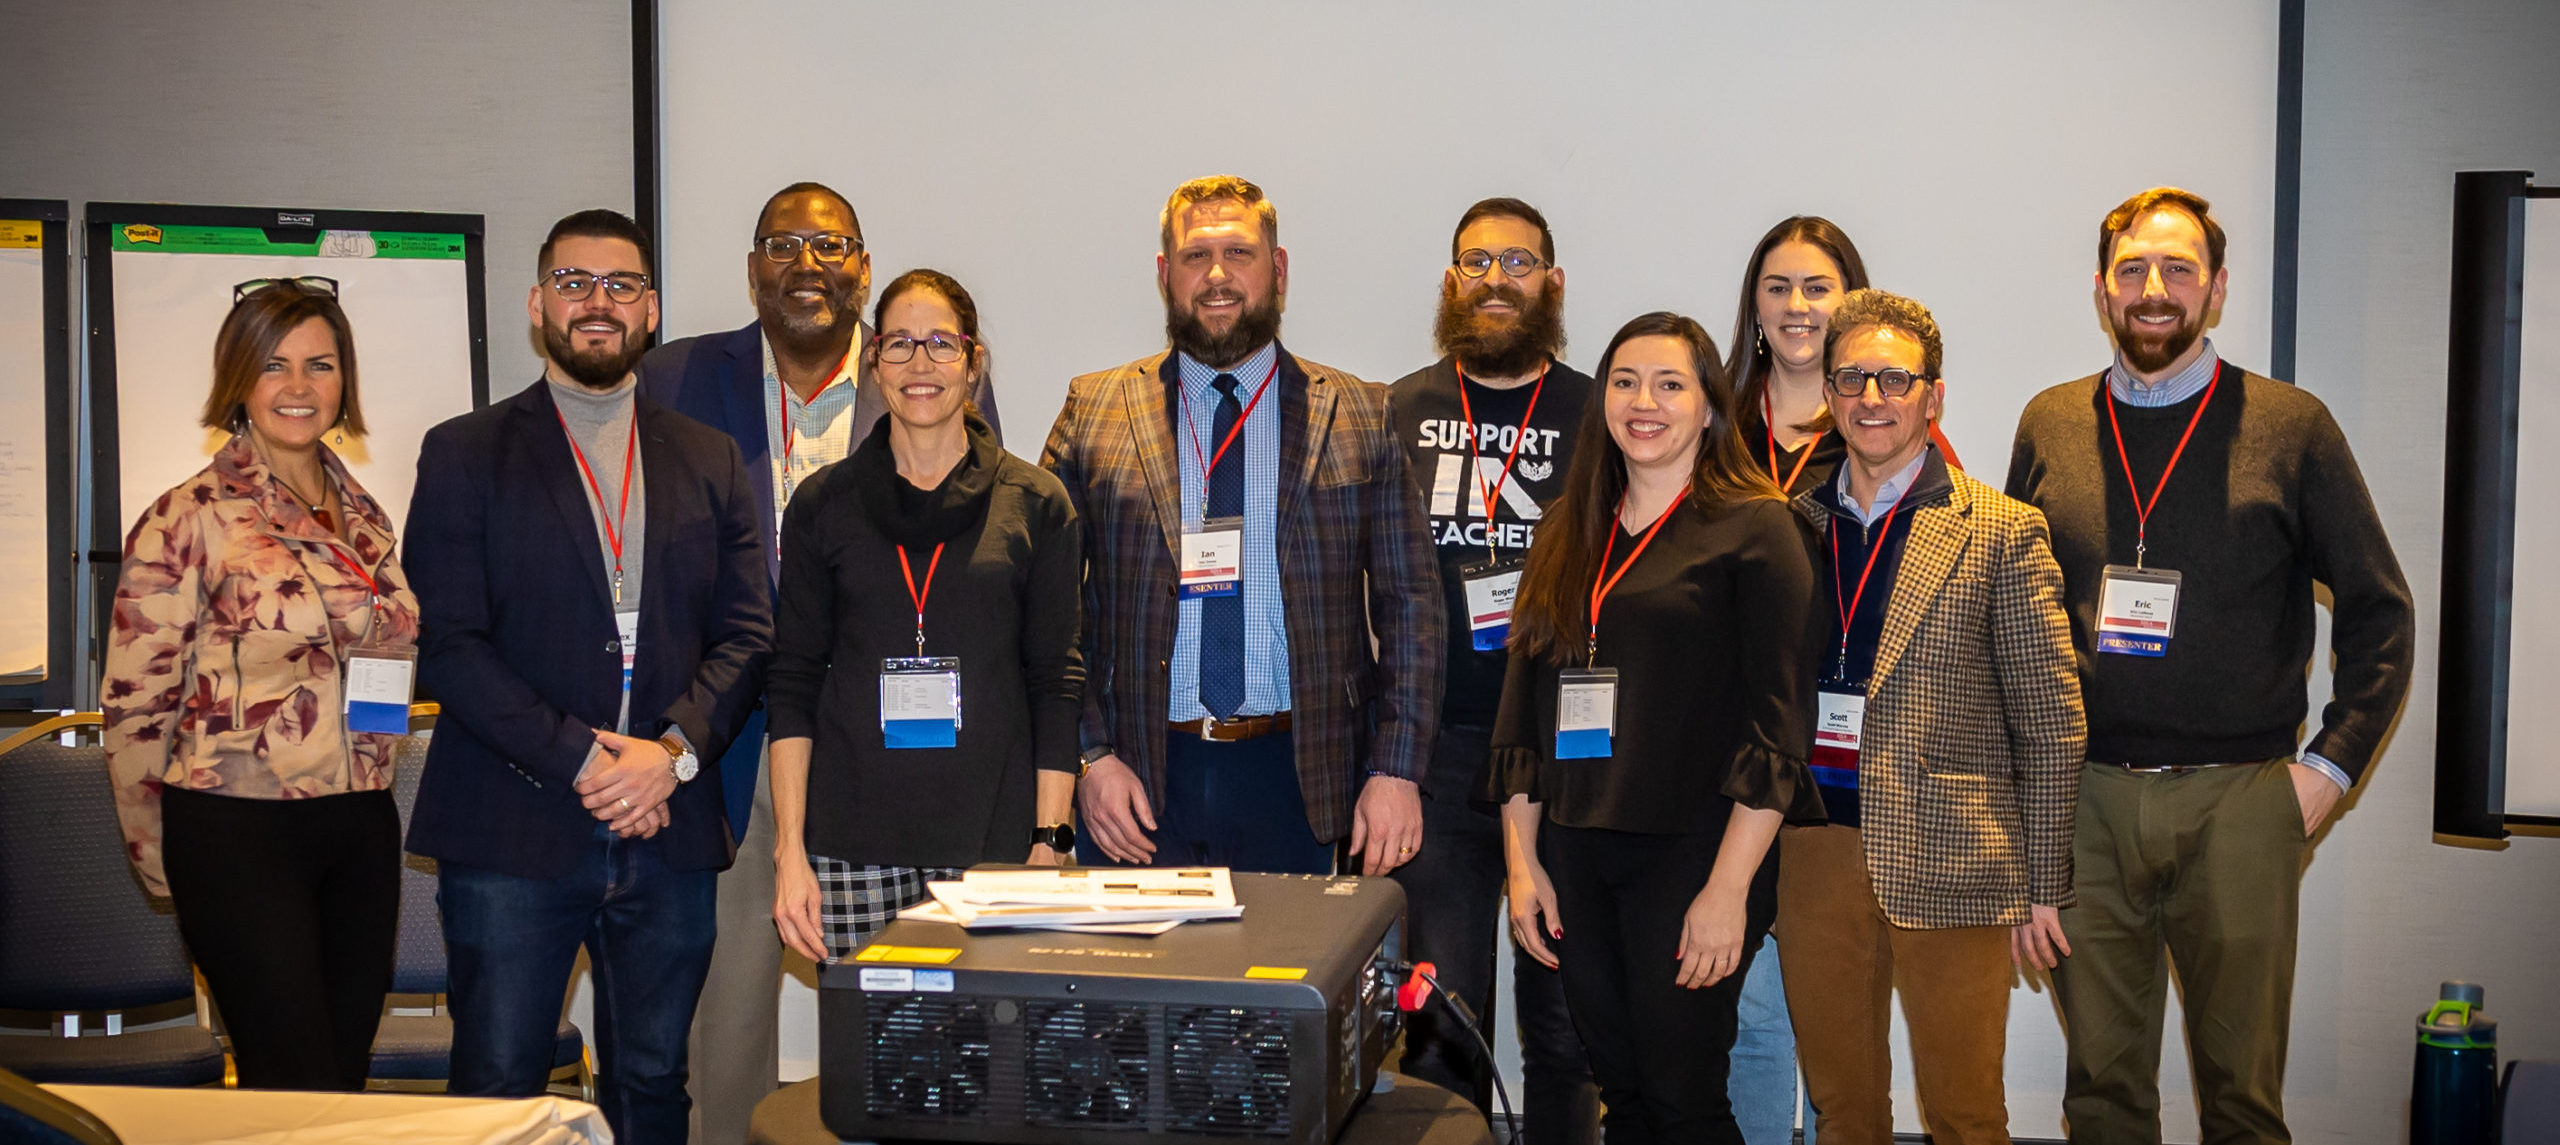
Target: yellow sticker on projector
[(937, 955), (1289, 973)]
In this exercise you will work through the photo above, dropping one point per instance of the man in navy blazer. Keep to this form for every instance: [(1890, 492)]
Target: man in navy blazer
[(595, 619), (789, 389)]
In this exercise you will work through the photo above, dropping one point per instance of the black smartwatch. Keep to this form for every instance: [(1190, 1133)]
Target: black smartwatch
[(1061, 838)]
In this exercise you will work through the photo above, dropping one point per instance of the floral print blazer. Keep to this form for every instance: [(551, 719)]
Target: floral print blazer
[(232, 615)]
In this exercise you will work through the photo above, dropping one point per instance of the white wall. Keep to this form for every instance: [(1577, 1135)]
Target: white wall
[(2397, 97), (1026, 149)]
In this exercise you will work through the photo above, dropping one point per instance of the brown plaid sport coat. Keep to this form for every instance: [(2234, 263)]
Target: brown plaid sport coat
[(1355, 554), (1969, 764)]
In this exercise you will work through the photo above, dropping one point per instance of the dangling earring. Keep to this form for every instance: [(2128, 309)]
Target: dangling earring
[(1762, 333)]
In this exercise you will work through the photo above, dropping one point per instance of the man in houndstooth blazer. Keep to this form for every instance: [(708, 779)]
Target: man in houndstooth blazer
[(1330, 741), (1948, 754)]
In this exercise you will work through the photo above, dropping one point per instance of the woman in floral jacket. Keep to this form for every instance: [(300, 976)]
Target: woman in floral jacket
[(251, 789)]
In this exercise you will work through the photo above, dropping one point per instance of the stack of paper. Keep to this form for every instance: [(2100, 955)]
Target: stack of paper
[(1087, 900)]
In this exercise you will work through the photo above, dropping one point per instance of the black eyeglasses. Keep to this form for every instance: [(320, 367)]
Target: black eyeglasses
[(313, 283), (828, 247), (896, 348), (1891, 381), (574, 285), (1516, 262)]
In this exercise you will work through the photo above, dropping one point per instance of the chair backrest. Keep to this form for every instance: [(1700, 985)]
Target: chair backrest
[(82, 934), (417, 963), (2531, 1102), (35, 1115)]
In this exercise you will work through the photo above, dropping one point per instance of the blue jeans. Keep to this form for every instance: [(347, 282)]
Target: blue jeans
[(1763, 1078), (511, 942)]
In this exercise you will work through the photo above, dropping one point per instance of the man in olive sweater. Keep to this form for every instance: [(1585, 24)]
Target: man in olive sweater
[(2193, 642)]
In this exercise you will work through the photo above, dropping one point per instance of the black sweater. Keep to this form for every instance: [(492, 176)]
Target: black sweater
[(1006, 602), (2266, 500), (1711, 632)]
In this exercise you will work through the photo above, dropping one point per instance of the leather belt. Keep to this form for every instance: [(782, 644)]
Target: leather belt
[(2179, 768), (1236, 730)]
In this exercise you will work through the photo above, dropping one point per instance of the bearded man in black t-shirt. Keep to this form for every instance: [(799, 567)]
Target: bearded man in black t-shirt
[(1488, 428)]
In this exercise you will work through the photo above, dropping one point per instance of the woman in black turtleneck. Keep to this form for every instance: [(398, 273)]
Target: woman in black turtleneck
[(929, 528)]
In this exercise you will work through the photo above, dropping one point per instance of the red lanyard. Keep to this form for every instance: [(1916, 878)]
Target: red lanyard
[(2142, 508), (1874, 548), (1209, 465), (1769, 422), (1467, 410), (787, 395), (1600, 588), (613, 528), (351, 566), (919, 596)]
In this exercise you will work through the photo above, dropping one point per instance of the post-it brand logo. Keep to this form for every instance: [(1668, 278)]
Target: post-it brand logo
[(141, 233)]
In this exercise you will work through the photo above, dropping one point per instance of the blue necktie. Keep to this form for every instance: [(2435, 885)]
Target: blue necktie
[(1222, 617)]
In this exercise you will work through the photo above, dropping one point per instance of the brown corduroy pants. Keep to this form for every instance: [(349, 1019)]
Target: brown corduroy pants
[(1842, 958)]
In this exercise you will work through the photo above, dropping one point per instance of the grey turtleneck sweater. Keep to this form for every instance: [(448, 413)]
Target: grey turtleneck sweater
[(600, 423)]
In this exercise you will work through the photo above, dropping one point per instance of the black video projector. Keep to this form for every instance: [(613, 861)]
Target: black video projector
[(1269, 1027)]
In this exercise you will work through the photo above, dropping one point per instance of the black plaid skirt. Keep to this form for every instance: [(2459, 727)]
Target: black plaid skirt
[(854, 902)]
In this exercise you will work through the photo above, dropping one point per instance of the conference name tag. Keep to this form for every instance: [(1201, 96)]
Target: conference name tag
[(2138, 611), (379, 684), (1586, 712), (626, 627), (1840, 719), (920, 702), (1491, 589), (1212, 558)]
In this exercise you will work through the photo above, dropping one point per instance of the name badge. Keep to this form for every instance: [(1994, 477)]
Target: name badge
[(380, 683), (920, 702), (2138, 611), (626, 627), (1213, 558), (1491, 588), (1586, 712), (1840, 718)]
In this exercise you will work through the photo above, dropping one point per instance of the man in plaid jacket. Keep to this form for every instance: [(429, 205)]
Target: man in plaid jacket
[(1947, 753), (1249, 526)]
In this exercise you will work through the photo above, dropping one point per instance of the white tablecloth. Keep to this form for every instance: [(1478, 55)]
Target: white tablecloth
[(144, 1116)]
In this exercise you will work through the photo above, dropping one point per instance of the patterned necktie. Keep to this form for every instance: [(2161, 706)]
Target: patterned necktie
[(1222, 617)]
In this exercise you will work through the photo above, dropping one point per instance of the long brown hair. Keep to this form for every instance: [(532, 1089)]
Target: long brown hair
[(1551, 619), (249, 336), (1750, 365)]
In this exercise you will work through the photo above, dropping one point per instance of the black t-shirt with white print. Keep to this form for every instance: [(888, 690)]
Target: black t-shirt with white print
[(1453, 480)]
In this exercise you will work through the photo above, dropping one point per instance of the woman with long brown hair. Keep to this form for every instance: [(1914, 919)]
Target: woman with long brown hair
[(1654, 728), (1796, 277), (257, 674)]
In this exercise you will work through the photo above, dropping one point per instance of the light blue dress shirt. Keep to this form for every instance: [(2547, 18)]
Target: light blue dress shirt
[(1266, 633)]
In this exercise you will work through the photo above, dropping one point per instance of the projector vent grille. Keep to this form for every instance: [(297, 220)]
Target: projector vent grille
[(929, 1057), (1230, 1071), (1088, 1063)]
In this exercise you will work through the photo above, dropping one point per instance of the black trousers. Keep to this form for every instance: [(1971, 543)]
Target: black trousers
[(1660, 1052), (1453, 897), (291, 908)]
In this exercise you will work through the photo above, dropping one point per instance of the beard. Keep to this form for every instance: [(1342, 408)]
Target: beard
[(1254, 326), (2150, 350), (843, 307), (1500, 346), (601, 368)]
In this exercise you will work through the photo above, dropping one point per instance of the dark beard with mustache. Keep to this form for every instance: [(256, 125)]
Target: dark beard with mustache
[(599, 369), (1496, 346), (2150, 352), (1254, 326), (809, 331)]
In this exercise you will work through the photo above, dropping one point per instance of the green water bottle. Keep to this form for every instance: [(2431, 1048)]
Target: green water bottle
[(2453, 1092)]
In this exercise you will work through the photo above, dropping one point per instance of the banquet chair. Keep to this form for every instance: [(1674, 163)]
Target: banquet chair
[(84, 940)]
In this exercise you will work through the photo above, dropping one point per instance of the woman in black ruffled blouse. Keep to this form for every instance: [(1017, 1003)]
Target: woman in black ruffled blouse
[(1646, 760)]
